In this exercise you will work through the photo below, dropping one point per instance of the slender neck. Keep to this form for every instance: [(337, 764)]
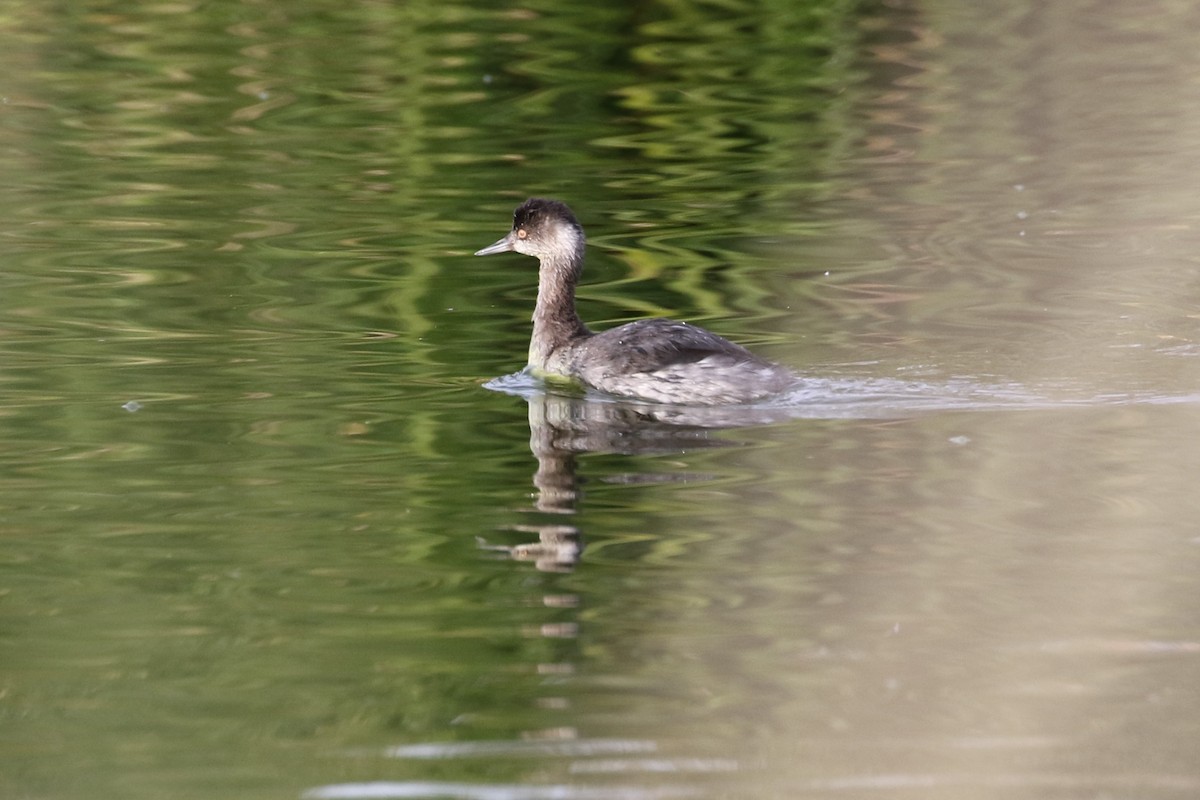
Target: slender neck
[(555, 320)]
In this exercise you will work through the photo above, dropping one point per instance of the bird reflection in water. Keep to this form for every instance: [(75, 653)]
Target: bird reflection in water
[(562, 426)]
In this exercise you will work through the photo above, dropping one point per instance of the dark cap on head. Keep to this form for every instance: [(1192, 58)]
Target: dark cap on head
[(536, 211)]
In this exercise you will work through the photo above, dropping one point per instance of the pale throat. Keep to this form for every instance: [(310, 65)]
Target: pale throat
[(555, 320)]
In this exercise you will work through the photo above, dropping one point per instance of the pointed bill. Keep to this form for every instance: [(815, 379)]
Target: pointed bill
[(502, 246)]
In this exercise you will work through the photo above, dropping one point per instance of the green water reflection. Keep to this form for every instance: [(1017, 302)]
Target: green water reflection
[(265, 532)]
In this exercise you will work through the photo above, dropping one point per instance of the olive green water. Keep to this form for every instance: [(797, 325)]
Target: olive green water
[(266, 534)]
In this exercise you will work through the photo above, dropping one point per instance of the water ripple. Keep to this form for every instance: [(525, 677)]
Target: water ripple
[(524, 748), (483, 791)]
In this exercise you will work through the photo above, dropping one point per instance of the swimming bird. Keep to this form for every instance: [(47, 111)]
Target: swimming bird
[(656, 360)]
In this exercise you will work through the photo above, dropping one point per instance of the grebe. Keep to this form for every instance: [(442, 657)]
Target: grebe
[(658, 360)]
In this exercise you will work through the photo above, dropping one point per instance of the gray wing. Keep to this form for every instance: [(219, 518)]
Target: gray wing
[(649, 345)]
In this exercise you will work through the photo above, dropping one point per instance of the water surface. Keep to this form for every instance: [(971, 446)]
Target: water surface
[(266, 532)]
